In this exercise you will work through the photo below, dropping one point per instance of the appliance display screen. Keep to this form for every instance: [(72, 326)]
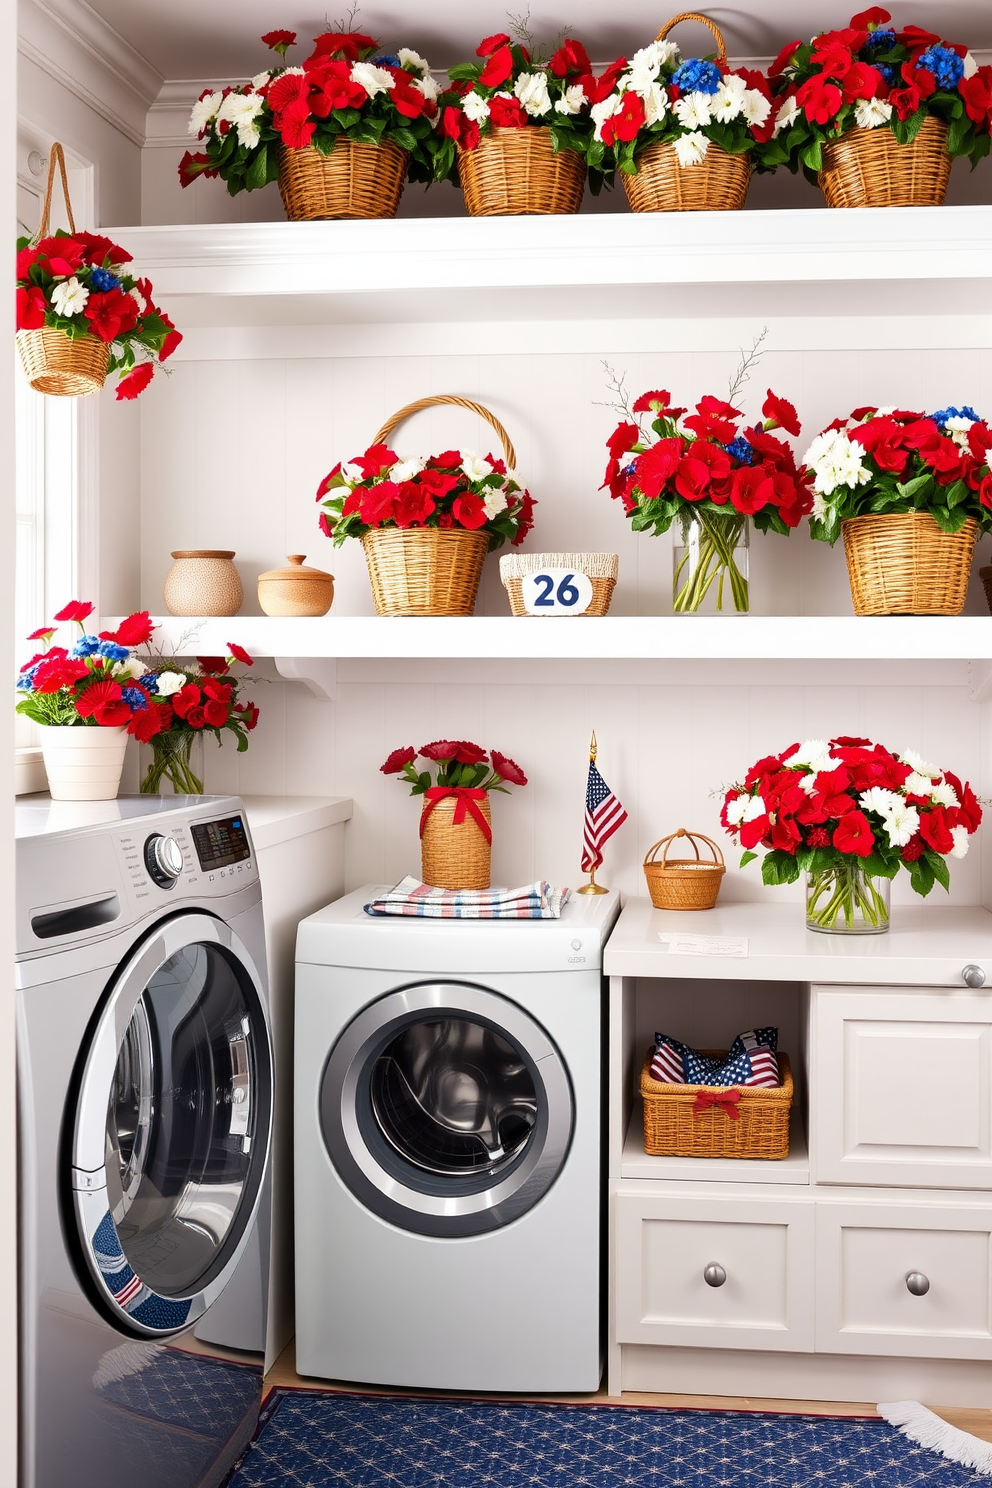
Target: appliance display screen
[(219, 843)]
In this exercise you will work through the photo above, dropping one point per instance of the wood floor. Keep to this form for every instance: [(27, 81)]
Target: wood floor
[(977, 1422)]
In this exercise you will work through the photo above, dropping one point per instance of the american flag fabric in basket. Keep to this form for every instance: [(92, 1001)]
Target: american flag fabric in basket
[(536, 901), (751, 1060)]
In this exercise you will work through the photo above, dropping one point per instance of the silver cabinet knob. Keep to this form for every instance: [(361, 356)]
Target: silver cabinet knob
[(917, 1283), (974, 976), (714, 1275)]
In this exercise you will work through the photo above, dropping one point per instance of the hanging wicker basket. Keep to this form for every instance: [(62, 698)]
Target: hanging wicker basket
[(429, 570), (718, 183), (870, 168), (600, 568), (354, 180), (684, 883), (903, 564), (455, 856), (54, 363), (515, 173)]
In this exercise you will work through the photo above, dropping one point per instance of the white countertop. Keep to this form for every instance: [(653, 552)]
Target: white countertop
[(275, 819)]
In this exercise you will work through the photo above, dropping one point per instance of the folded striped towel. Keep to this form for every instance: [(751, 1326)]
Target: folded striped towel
[(750, 1060), (536, 901)]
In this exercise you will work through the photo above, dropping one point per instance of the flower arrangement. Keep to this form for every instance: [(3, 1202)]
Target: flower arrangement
[(846, 813), (96, 682), (887, 460), (191, 702), (451, 490), (660, 97), (702, 468), (870, 76), (457, 763), (345, 89), (76, 283)]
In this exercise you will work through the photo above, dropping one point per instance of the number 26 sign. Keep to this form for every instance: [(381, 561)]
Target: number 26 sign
[(556, 591)]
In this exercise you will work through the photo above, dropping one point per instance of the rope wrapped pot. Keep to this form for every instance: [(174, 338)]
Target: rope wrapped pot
[(429, 570), (455, 839), (515, 172), (684, 883), (904, 564), (354, 180), (870, 168), (718, 183)]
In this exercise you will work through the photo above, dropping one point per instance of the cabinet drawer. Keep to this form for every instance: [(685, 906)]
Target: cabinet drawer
[(912, 1279), (901, 1088), (666, 1240)]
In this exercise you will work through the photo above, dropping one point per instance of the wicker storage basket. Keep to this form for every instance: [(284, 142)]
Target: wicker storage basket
[(601, 569), (985, 574), (675, 1126), (354, 180), (903, 564), (515, 172), (717, 184), (870, 168), (684, 883), (455, 856)]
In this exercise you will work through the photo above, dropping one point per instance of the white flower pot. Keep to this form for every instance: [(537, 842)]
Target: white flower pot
[(83, 763)]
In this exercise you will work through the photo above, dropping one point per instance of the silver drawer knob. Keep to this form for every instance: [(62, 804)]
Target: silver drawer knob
[(714, 1275), (974, 976), (917, 1283)]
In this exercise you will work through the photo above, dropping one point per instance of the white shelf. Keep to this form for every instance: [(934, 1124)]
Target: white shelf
[(635, 1162), (275, 819)]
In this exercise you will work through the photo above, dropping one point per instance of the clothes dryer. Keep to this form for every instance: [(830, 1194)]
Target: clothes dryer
[(448, 1148), (145, 1099)]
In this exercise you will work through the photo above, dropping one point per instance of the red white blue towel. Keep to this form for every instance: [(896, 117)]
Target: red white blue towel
[(751, 1060), (536, 901)]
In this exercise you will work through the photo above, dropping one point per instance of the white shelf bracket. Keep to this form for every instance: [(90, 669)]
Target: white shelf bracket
[(319, 674), (980, 681)]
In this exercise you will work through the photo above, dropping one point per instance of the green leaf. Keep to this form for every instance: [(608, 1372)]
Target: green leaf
[(921, 876), (779, 868), (257, 174), (747, 857), (918, 483), (938, 866)]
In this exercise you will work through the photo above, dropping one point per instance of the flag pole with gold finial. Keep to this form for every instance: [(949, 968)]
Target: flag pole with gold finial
[(592, 887)]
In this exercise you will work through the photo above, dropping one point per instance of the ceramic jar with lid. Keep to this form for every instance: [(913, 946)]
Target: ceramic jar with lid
[(296, 590), (203, 581)]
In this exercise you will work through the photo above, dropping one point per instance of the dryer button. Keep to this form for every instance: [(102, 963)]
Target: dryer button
[(576, 945)]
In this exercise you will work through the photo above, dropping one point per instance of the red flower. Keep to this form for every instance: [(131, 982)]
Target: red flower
[(31, 307), (469, 511), (861, 81), (172, 339), (818, 837), (468, 754), (185, 699), (76, 610), (154, 719), (935, 831), (334, 88), (239, 653), (832, 54), (507, 769), (599, 88), (624, 124), (874, 16), (441, 749), (407, 99), (914, 849), (507, 113), (195, 716), (103, 702), (377, 457), (279, 41), (702, 464), (976, 93), (58, 671), (294, 124), (570, 60), (215, 713), (780, 413), (351, 45), (491, 44), (497, 69), (213, 665), (249, 714), (853, 834), (783, 59), (134, 631), (110, 314), (655, 403), (750, 489), (99, 250), (217, 692), (397, 760), (135, 381), (905, 101), (44, 634), (378, 503), (657, 465), (414, 505), (820, 100), (192, 166)]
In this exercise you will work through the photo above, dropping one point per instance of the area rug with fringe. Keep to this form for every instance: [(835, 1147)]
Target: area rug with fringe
[(330, 1440)]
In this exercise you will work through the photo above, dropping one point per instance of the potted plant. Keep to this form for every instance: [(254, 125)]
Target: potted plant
[(703, 470), (681, 131), (849, 814), (426, 522), (517, 130), (874, 115), (191, 702), (455, 823), (910, 493), (88, 699), (341, 133)]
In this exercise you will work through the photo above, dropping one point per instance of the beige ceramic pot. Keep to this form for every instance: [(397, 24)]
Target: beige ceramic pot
[(203, 581), (296, 590)]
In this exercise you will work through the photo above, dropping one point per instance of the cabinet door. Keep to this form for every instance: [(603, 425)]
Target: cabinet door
[(901, 1088), (667, 1243), (911, 1279)]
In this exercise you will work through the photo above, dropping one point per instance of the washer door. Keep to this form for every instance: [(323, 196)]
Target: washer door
[(172, 1125), (446, 1109)]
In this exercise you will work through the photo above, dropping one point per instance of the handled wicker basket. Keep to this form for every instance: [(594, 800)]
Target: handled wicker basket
[(675, 1126), (429, 570), (870, 168), (354, 180), (684, 883), (902, 563), (53, 362), (718, 183), (515, 172), (600, 568)]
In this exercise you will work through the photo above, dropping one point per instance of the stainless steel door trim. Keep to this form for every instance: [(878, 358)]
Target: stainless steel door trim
[(455, 1212), (91, 1201)]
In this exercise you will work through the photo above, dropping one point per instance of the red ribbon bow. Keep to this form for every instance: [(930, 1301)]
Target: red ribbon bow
[(465, 804), (726, 1100)]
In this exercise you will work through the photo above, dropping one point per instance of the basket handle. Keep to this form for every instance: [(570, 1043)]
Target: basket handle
[(693, 15), (693, 837), (410, 409), (58, 156)]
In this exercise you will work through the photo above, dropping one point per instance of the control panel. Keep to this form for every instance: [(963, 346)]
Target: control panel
[(202, 857)]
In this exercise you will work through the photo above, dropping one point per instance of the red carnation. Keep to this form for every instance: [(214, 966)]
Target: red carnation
[(440, 750), (507, 113), (148, 722), (279, 41), (110, 314), (185, 700), (657, 465), (397, 761), (134, 631), (467, 753), (192, 166), (76, 610), (914, 849), (135, 381), (780, 413), (239, 653), (507, 769), (491, 44)]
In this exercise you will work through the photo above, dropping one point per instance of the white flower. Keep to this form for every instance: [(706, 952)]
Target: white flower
[(901, 824), (755, 807), (912, 759), (835, 461), (259, 80), (126, 671), (138, 299), (572, 101), (917, 785), (787, 115), (728, 99), (819, 506), (755, 108), (411, 60), (604, 110), (494, 502), (884, 802), (428, 87), (960, 848), (869, 113), (373, 79), (691, 148), (170, 682), (655, 103), (404, 470), (476, 467), (957, 430), (475, 107), (736, 809), (242, 110), (970, 65), (693, 111), (532, 90), (944, 794), (653, 58), (70, 296), (204, 111), (814, 753), (351, 473)]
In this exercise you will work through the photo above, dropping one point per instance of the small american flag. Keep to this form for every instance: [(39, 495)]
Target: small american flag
[(604, 814)]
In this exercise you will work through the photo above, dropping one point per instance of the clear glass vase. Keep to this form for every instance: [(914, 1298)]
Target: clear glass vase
[(844, 900), (173, 759), (711, 559)]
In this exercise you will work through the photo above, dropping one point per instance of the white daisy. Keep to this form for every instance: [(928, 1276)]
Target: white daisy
[(913, 760), (476, 467), (879, 800), (405, 469), (204, 112), (755, 108), (787, 115), (728, 99), (960, 848), (917, 784), (475, 107), (693, 110), (494, 502), (835, 461), (869, 113), (944, 794), (901, 824), (691, 148), (69, 297)]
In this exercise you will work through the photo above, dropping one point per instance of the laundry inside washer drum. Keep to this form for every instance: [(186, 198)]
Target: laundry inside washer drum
[(453, 1097)]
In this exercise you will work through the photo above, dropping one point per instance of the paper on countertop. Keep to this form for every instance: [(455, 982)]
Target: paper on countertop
[(680, 944)]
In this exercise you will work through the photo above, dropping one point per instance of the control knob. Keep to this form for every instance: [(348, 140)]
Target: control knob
[(164, 860)]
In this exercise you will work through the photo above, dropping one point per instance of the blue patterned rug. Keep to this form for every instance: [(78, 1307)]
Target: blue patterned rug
[(320, 1440)]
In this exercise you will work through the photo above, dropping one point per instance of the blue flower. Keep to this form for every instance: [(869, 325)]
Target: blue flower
[(940, 419), (25, 681), (740, 450), (135, 698), (149, 681), (946, 66), (87, 645), (696, 76), (111, 651), (103, 279), (385, 61), (888, 73), (879, 40)]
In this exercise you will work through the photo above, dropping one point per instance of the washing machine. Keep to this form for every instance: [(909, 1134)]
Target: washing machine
[(145, 1100), (448, 1148)]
